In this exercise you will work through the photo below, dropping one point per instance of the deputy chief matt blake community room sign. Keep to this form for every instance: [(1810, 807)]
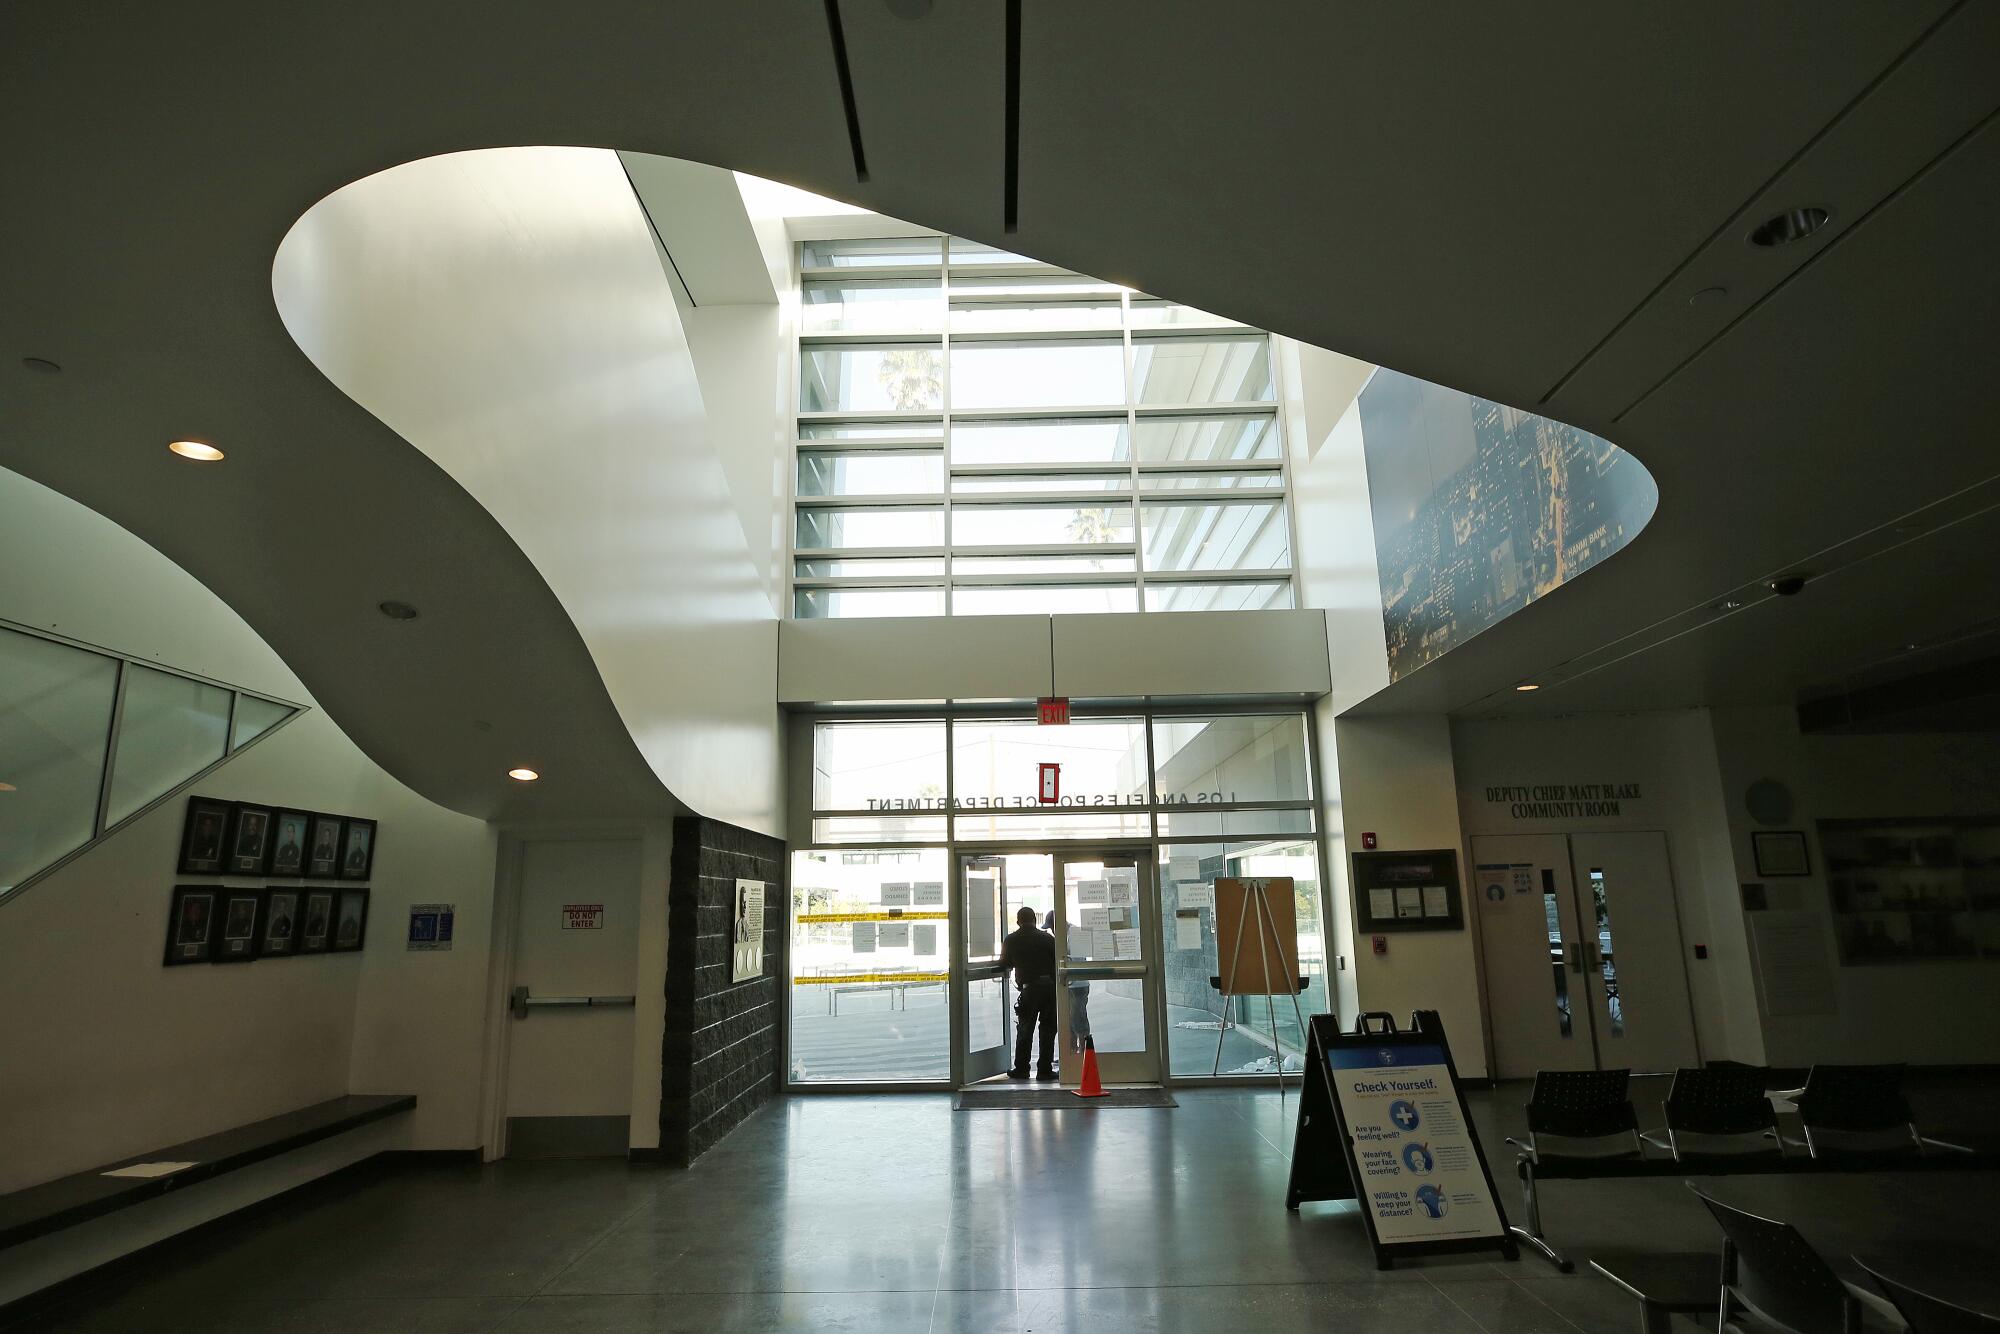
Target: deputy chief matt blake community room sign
[(1563, 801)]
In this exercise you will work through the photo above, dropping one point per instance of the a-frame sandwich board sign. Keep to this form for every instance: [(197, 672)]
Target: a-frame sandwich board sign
[(1383, 1121)]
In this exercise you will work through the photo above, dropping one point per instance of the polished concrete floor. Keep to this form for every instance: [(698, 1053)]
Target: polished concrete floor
[(894, 1213)]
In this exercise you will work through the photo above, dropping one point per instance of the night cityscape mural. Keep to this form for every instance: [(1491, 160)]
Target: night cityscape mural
[(1481, 508)]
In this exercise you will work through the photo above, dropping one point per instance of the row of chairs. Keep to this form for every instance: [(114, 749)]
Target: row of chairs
[(1724, 1109), (1773, 1276)]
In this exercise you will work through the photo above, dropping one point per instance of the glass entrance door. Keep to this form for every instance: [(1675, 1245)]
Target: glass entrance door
[(1107, 985), (982, 1008), (1102, 907)]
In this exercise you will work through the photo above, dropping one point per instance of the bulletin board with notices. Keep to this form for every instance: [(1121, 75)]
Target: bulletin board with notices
[(1408, 891)]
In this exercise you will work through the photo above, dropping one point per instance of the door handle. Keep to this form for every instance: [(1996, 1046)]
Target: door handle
[(1573, 956), (520, 1001)]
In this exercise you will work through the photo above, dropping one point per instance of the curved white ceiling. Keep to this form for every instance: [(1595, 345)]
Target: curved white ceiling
[(505, 312), (1520, 202)]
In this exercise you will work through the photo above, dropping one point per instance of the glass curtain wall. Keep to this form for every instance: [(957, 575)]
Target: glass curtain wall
[(89, 740), (894, 799), (982, 434)]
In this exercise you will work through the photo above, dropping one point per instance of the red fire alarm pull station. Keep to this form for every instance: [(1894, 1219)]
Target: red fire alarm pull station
[(1381, 944), (1368, 841), (1050, 790), (1054, 711)]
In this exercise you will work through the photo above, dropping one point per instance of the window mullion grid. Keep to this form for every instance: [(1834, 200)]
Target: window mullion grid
[(1132, 462), (944, 289), (1285, 467)]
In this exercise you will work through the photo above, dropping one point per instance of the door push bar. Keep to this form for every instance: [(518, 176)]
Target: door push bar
[(520, 1002)]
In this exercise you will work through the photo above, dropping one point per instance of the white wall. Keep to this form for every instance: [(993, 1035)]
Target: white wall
[(1337, 575), (1920, 1012), (106, 1052), (1671, 756), (505, 311), (1396, 782)]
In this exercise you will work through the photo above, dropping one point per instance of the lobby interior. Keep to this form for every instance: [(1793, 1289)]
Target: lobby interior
[(602, 556)]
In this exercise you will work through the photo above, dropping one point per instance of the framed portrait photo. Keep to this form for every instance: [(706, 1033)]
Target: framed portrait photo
[(1781, 852), (279, 935), (202, 836), (350, 921), (240, 914), (191, 923), (315, 930), (249, 845), (291, 835), (323, 852), (357, 849)]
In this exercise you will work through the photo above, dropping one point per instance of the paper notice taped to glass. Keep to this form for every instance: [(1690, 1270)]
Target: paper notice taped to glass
[(1125, 944), (1195, 894), (1096, 919), (896, 896), (1101, 944), (927, 893), (1187, 928), (893, 935), (925, 939), (1092, 892), (864, 938)]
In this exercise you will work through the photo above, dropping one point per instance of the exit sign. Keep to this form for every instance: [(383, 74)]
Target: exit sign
[(1054, 711)]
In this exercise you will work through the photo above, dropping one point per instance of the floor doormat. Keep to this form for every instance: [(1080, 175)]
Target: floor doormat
[(1042, 1100)]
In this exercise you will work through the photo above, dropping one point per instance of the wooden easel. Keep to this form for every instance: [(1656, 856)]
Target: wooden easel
[(1259, 916)]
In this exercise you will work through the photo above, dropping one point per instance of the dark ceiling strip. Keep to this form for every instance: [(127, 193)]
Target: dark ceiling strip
[(1010, 200), (839, 39), (1818, 255), (1734, 219), (654, 227)]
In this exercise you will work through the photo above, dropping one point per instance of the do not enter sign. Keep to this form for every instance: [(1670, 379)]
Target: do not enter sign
[(583, 917)]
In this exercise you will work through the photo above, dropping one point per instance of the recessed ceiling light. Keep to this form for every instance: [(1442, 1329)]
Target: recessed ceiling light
[(523, 775), (1729, 604), (8, 787), (41, 364), (397, 611), (1794, 224), (198, 450), (1526, 686)]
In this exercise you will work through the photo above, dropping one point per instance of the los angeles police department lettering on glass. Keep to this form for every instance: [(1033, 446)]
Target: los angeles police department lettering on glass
[(1564, 801), (1066, 799)]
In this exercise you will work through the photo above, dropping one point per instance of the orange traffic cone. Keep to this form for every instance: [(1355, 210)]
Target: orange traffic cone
[(1091, 1087)]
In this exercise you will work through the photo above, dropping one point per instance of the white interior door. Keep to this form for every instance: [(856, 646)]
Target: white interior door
[(1537, 998), (1637, 980), (569, 1054)]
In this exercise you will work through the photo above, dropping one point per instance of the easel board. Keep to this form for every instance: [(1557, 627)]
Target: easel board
[(1385, 1110), (1244, 970)]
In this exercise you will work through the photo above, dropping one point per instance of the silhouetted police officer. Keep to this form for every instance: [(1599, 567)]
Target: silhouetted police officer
[(1031, 953)]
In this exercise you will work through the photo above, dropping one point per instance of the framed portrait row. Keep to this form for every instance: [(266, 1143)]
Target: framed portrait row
[(224, 924), (243, 838)]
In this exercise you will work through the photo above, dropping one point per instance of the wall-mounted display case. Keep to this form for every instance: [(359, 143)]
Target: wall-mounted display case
[(1913, 891)]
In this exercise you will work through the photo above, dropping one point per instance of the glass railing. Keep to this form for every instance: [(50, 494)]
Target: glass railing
[(90, 741)]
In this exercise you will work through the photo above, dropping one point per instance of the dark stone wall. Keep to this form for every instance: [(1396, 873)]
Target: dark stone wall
[(720, 1052)]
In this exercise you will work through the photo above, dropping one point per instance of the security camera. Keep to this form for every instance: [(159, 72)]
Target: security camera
[(1788, 586)]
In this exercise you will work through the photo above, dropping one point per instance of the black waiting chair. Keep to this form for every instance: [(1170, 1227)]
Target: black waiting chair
[(1573, 1115), (1773, 1280), (1589, 1113), (1925, 1314), (1726, 1110), (1858, 1108)]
